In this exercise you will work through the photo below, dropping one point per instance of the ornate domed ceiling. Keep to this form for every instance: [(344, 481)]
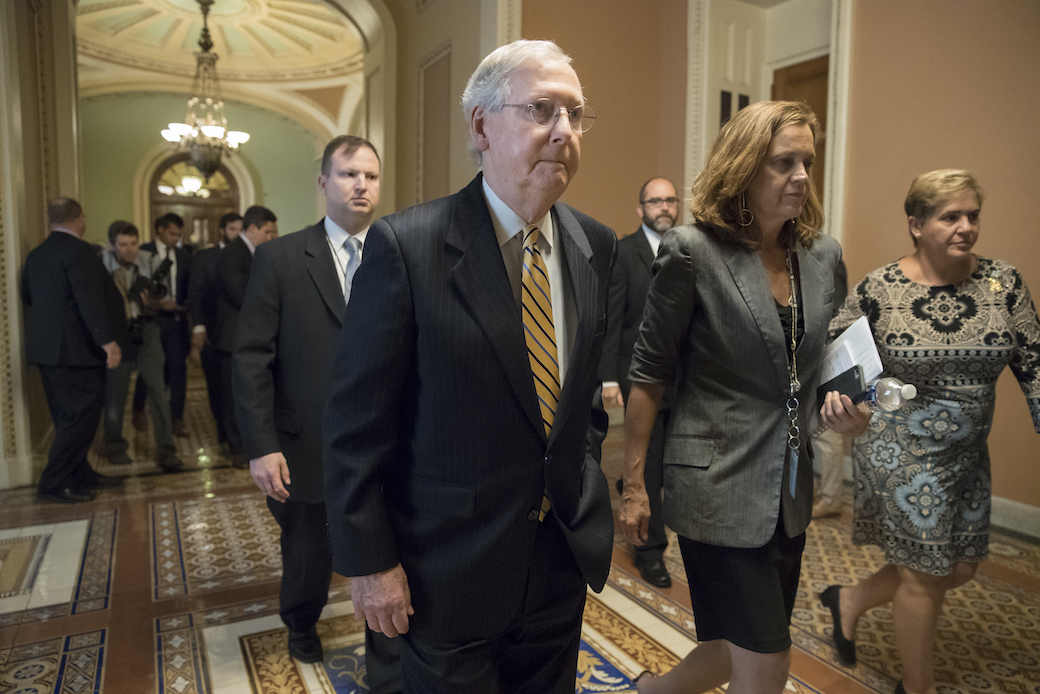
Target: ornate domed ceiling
[(257, 40)]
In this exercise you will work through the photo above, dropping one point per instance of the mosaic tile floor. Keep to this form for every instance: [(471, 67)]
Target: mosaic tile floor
[(169, 585)]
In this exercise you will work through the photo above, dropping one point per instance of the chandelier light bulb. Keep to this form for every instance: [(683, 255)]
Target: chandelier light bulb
[(191, 184), (237, 137), (181, 129), (170, 136), (214, 131)]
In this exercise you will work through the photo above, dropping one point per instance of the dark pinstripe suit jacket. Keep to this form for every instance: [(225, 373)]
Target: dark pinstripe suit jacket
[(435, 455)]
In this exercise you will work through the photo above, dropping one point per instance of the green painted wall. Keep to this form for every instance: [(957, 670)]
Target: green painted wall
[(117, 130)]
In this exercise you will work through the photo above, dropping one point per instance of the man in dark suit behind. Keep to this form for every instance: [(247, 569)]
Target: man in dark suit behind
[(73, 315), (658, 209), (259, 225), (459, 493), (202, 302), (172, 321), (291, 317)]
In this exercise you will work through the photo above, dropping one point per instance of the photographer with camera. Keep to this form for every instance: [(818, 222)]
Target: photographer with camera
[(144, 295)]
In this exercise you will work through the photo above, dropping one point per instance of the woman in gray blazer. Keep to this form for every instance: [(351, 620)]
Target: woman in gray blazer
[(737, 316)]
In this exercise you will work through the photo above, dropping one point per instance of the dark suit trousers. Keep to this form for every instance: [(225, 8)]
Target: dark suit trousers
[(76, 398), (210, 359), (176, 342), (225, 364), (537, 654), (653, 477)]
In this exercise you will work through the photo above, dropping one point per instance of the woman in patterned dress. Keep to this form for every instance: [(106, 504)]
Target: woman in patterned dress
[(947, 321)]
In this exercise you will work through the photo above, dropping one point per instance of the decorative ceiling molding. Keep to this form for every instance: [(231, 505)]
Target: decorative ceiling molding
[(257, 40)]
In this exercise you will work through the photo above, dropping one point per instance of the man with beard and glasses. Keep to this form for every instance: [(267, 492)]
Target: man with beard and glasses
[(659, 210)]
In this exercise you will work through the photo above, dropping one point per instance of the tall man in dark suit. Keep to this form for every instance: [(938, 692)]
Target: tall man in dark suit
[(202, 302), (73, 316), (292, 315), (259, 225), (459, 493), (172, 321), (658, 209)]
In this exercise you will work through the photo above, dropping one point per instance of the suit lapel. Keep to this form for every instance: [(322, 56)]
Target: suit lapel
[(322, 268), (577, 253), (813, 274), (750, 278), (643, 249), (480, 277)]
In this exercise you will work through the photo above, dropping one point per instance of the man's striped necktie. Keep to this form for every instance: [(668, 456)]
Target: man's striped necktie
[(540, 334)]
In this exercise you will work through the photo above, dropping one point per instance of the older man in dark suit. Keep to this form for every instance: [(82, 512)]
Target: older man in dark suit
[(460, 496), (259, 225), (291, 317), (73, 318), (658, 209)]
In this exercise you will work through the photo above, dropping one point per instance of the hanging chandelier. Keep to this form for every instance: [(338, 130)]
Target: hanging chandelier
[(204, 132)]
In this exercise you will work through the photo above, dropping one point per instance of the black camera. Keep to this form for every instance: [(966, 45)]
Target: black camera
[(154, 284)]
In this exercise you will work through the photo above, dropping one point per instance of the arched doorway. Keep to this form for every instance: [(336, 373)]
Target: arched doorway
[(177, 186)]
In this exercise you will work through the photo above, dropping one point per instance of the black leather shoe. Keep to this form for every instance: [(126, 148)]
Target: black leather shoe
[(654, 572), (846, 647), (620, 487), (306, 647), (99, 481), (899, 688), (66, 496), (119, 458)]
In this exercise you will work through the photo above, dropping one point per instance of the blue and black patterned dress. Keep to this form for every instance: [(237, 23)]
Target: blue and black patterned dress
[(922, 474)]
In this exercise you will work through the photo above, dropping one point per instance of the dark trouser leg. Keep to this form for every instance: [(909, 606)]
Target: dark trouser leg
[(234, 437), (539, 652), (653, 476), (211, 370), (176, 344), (117, 383), (383, 663), (76, 397), (306, 563)]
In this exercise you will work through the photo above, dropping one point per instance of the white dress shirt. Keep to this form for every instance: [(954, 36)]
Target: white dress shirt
[(508, 229), (160, 253), (337, 239)]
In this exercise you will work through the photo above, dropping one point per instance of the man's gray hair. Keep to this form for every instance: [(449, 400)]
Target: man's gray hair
[(488, 86)]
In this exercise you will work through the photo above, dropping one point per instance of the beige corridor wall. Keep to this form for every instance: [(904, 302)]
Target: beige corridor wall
[(631, 59), (945, 83)]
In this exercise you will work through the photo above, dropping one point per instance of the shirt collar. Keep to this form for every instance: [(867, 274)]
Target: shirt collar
[(70, 232), (248, 243), (653, 237), (508, 223), (338, 235)]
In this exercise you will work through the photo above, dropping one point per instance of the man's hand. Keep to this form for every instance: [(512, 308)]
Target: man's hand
[(383, 600), (168, 303), (839, 414), (612, 396), (198, 339), (115, 355), (635, 512), (271, 474), (150, 301)]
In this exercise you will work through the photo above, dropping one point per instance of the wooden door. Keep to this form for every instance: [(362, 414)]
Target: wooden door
[(808, 82)]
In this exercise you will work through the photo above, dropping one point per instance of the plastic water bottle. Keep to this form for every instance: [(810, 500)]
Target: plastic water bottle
[(887, 394)]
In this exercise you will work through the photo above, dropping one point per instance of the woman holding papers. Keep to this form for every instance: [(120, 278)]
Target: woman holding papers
[(737, 315), (947, 321)]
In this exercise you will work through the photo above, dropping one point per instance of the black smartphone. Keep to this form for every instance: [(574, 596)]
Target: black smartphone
[(847, 383)]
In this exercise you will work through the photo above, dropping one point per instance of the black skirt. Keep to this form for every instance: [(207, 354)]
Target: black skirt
[(745, 596)]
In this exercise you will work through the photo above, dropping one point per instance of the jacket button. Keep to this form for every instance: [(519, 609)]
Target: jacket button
[(548, 458), (532, 516)]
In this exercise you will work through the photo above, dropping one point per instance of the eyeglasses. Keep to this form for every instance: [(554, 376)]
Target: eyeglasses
[(546, 112), (657, 202)]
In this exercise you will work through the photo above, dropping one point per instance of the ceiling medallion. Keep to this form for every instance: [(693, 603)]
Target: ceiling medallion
[(204, 132)]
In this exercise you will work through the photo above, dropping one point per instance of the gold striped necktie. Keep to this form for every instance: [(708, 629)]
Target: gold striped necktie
[(540, 334)]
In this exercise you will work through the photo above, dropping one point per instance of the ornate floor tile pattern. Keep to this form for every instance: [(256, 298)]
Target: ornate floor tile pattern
[(69, 665), (214, 544), (93, 575), (178, 656)]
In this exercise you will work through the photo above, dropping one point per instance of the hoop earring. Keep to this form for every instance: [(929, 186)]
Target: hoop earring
[(744, 210)]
